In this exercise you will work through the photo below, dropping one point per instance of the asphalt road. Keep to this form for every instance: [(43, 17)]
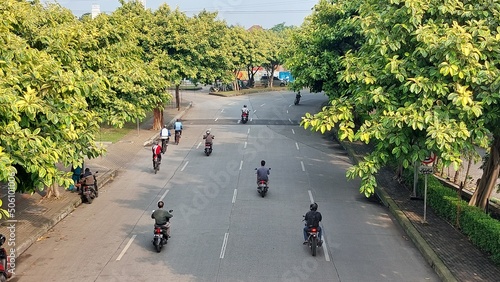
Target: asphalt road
[(222, 230)]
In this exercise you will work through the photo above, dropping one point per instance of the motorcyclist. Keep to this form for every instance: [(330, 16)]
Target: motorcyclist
[(162, 219), (164, 136), (313, 218), (263, 172), (298, 95), (245, 110), (208, 138), (156, 149), (87, 179), (178, 127), (3, 259)]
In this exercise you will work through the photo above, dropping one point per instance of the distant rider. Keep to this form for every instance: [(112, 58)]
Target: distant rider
[(313, 218), (156, 149), (245, 110), (164, 136), (178, 127), (208, 138), (162, 219), (263, 172)]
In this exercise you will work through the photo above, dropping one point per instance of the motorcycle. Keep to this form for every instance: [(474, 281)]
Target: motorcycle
[(164, 144), (4, 271), (297, 99), (313, 241), (156, 163), (160, 237), (177, 137), (90, 192), (208, 149), (262, 186), (244, 117)]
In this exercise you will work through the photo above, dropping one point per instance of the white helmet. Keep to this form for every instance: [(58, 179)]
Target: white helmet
[(208, 132)]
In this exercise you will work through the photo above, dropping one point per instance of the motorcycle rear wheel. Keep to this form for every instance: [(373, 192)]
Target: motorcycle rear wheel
[(314, 245), (89, 199)]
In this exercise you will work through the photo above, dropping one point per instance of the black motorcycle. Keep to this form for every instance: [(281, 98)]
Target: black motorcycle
[(160, 236), (262, 186), (164, 144), (312, 239), (208, 149), (297, 99), (90, 192), (156, 163), (4, 271)]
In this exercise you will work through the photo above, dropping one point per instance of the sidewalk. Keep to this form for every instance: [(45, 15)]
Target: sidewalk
[(449, 252), (35, 215)]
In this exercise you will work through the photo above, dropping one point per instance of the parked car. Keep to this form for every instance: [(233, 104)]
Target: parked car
[(276, 81)]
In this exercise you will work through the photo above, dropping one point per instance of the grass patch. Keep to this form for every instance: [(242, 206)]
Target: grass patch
[(112, 134)]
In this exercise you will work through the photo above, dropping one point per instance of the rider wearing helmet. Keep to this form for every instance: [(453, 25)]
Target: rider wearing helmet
[(312, 219), (156, 152), (208, 138), (245, 110), (162, 219)]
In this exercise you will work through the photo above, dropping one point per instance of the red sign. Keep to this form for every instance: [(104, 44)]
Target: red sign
[(430, 159)]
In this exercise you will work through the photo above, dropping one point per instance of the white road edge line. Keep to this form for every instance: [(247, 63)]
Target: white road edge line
[(302, 164), (126, 247), (244, 147), (163, 196), (199, 144), (310, 196), (297, 145), (325, 249), (234, 195), (241, 164), (224, 244), (184, 166), (293, 131)]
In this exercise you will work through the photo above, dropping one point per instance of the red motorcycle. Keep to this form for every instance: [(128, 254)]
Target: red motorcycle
[(244, 117), (4, 271)]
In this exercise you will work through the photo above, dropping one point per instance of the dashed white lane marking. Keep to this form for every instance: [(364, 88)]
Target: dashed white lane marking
[(222, 110), (244, 147), (248, 131), (287, 111), (302, 164), (216, 119), (297, 145), (234, 195), (310, 196), (126, 247), (163, 196), (184, 166), (224, 244), (254, 111), (262, 105), (241, 164), (293, 131)]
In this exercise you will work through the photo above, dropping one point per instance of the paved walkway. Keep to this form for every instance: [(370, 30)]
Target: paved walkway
[(450, 253)]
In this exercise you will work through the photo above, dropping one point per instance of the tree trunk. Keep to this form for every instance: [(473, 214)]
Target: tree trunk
[(177, 97), (53, 190), (158, 118), (488, 181), (469, 164)]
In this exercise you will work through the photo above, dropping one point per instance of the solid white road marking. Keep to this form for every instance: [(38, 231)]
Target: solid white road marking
[(293, 131), (199, 144), (310, 196), (241, 164), (163, 196), (224, 244), (297, 145), (183, 167), (244, 147), (325, 249), (302, 164), (126, 247), (234, 195)]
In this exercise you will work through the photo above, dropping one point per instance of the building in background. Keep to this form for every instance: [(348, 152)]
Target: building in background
[(96, 10)]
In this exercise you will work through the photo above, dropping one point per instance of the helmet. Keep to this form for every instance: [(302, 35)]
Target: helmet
[(160, 204), (208, 132), (244, 106), (2, 239), (313, 207), (263, 163)]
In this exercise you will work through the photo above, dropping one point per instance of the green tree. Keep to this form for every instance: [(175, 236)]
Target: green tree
[(424, 80)]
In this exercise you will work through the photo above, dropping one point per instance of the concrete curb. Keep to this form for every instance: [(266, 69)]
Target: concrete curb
[(102, 179), (150, 141), (427, 252)]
